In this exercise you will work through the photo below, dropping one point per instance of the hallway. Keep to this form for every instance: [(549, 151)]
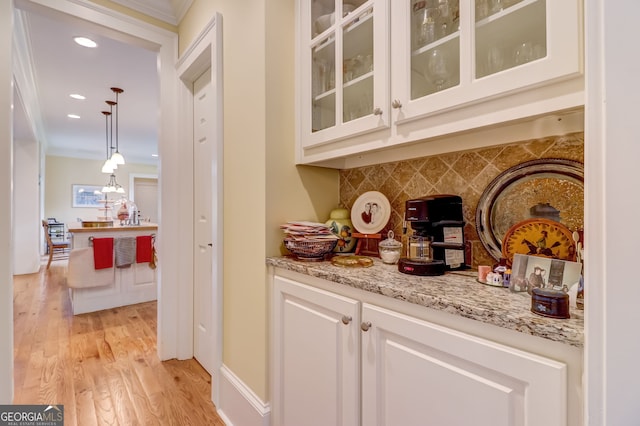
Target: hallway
[(103, 366)]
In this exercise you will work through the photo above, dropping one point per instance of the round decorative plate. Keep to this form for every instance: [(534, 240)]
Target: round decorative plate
[(548, 188), (370, 213), (539, 237)]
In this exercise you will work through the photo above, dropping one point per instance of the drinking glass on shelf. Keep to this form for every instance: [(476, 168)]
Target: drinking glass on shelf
[(425, 31), (448, 17), (496, 6), (437, 68), (325, 75), (523, 53), (495, 60), (482, 9), (367, 63), (351, 67)]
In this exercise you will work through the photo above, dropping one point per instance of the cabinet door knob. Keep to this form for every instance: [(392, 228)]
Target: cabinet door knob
[(377, 111), (346, 319), (396, 104), (365, 326)]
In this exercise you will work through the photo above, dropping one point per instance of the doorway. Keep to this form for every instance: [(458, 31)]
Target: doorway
[(143, 190), (200, 70), (171, 306)]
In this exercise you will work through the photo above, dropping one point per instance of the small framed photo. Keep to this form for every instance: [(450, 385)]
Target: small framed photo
[(529, 272), (86, 195)]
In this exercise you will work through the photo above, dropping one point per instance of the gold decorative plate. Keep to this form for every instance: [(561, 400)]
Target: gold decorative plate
[(539, 237), (352, 261)]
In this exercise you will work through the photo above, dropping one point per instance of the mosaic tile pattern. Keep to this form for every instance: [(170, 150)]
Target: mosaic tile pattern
[(464, 173)]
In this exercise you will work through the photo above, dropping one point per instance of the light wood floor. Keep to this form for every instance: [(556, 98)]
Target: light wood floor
[(101, 366)]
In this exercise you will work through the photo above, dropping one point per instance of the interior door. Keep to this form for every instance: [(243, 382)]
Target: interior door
[(146, 197), (203, 139)]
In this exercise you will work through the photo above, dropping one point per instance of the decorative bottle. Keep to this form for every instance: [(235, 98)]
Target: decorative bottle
[(340, 224)]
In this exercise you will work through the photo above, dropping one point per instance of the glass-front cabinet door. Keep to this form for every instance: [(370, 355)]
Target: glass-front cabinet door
[(524, 21), (435, 46), (446, 54), (344, 78)]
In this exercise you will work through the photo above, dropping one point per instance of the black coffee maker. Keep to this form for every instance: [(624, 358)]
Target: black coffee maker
[(437, 243)]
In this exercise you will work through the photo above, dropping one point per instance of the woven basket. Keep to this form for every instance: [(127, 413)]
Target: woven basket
[(310, 249)]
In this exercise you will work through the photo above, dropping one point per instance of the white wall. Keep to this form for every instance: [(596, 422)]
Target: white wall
[(6, 225), (612, 154), (26, 207)]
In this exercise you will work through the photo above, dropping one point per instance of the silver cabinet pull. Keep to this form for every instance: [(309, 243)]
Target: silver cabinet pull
[(396, 104), (365, 326), (346, 319), (377, 111)]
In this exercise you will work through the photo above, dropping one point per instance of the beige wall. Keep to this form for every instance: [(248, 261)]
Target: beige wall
[(62, 172), (263, 187)]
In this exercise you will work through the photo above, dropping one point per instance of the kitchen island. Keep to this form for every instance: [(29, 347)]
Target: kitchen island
[(93, 289)]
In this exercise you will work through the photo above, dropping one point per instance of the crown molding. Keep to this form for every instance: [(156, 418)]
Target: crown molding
[(24, 77), (169, 11)]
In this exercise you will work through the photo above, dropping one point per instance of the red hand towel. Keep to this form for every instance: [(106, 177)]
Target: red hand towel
[(144, 248), (103, 253)]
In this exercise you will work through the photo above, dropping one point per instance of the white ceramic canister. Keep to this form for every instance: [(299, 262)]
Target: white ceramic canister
[(340, 224)]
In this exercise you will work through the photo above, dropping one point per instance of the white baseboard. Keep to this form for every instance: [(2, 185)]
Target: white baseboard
[(239, 405)]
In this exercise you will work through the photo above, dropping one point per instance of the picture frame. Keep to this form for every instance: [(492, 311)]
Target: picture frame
[(529, 272), (86, 195)]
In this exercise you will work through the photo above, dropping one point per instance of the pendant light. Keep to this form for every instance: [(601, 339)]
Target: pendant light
[(110, 165), (113, 186), (107, 167), (116, 157)]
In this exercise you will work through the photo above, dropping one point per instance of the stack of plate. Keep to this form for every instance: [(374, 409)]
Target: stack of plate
[(309, 240)]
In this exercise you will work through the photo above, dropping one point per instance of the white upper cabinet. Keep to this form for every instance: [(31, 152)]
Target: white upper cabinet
[(345, 61), (378, 74)]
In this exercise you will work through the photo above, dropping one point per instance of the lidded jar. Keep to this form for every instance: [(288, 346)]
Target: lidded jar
[(390, 249), (126, 211), (340, 224)]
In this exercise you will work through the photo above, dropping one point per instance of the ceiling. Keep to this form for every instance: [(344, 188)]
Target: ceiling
[(60, 67)]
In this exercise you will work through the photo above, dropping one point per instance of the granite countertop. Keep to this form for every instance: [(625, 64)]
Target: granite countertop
[(456, 292)]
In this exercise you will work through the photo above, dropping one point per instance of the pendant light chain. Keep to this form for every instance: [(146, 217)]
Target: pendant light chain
[(113, 159), (116, 157)]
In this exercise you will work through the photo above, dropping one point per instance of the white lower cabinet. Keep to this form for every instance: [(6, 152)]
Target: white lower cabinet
[(341, 361), (418, 373), (316, 356)]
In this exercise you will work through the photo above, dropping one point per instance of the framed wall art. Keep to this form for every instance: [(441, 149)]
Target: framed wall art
[(86, 195)]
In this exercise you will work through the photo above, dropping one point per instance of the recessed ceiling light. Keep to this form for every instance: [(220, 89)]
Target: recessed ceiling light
[(73, 116), (77, 96), (84, 41), (154, 155)]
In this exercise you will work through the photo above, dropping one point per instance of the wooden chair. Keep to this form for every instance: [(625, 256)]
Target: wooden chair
[(53, 247)]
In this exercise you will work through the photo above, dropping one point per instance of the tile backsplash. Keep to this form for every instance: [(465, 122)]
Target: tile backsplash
[(464, 173)]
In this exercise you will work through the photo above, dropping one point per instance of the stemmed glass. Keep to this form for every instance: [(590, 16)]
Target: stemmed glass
[(437, 68)]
